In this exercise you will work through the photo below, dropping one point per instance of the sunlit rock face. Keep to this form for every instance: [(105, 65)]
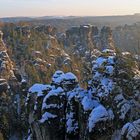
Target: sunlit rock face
[(2, 48), (5, 74), (6, 66), (11, 97)]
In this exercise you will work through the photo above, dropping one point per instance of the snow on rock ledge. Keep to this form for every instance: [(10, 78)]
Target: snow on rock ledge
[(89, 103), (38, 88), (98, 114), (131, 131), (47, 116)]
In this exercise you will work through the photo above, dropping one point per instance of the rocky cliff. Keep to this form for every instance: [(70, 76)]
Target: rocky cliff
[(94, 90), (107, 109), (87, 37), (39, 51), (11, 94)]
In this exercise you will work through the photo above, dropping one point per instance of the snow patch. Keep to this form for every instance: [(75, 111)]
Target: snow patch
[(131, 130), (98, 114), (38, 88), (47, 116), (88, 103)]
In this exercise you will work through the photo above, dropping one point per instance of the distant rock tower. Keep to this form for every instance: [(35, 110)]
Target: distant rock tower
[(6, 65), (2, 47), (106, 38)]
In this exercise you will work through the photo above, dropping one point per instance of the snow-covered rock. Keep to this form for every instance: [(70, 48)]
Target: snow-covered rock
[(131, 130), (99, 114), (38, 89), (46, 116)]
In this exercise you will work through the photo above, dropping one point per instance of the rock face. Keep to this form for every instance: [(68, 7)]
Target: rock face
[(109, 108), (2, 48), (131, 130), (5, 74), (40, 50), (10, 93), (88, 37), (58, 109), (126, 38), (6, 65), (37, 52), (106, 38)]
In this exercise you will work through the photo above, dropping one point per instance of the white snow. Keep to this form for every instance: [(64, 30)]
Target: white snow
[(108, 51), (71, 94), (47, 116), (111, 60), (110, 114), (103, 69), (124, 110), (53, 92), (86, 26), (105, 87), (38, 88), (107, 83), (69, 122), (100, 61), (57, 74), (126, 53), (23, 80), (71, 125), (88, 103), (29, 137), (123, 105), (58, 80), (119, 97), (97, 75), (98, 114), (45, 106), (70, 76), (109, 70), (132, 130), (59, 77)]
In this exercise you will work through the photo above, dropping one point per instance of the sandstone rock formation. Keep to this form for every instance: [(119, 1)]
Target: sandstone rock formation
[(106, 110), (10, 93)]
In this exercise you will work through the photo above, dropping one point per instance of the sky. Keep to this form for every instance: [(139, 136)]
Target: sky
[(12, 8)]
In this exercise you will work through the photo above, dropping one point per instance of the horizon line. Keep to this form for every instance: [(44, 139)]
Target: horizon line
[(22, 16)]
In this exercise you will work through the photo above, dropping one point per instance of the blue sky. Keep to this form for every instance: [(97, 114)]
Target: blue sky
[(10, 8)]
